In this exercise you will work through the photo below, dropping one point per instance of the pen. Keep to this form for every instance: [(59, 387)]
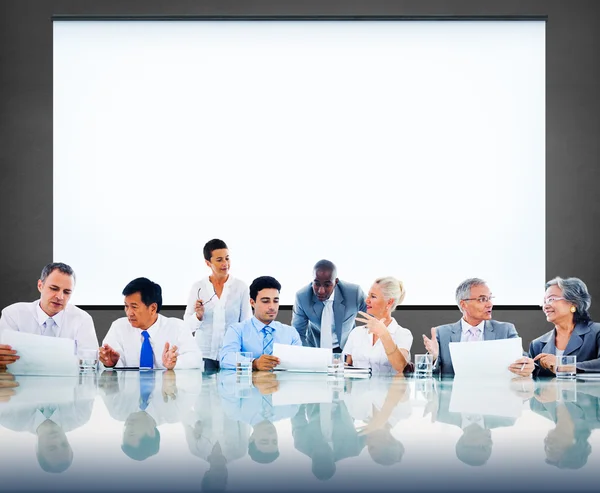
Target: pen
[(522, 366)]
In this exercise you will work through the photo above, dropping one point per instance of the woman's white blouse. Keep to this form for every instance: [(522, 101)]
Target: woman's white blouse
[(365, 354), (219, 313)]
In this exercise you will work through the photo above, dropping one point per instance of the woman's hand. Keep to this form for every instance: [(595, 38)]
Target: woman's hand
[(547, 361), (374, 325)]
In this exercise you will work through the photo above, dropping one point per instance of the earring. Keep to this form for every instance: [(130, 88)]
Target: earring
[(573, 309)]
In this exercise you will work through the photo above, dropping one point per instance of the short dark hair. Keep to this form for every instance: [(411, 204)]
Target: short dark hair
[(149, 291), (59, 266), (212, 245), (147, 447), (263, 282), (326, 265), (261, 457)]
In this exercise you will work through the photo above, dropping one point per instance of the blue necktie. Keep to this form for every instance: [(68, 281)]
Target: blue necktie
[(268, 340), (146, 354), (146, 388)]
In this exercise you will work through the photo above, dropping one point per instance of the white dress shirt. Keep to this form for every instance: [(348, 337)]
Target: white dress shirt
[(365, 354), (219, 313), (70, 323), (466, 327), (127, 341)]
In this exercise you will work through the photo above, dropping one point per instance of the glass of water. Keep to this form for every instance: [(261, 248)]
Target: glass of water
[(243, 363), (88, 359), (566, 366), (336, 367), (423, 365)]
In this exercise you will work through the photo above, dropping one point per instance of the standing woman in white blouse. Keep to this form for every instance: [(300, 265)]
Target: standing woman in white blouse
[(216, 302), (382, 344)]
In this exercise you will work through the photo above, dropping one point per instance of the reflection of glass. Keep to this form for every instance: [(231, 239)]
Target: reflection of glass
[(566, 366)]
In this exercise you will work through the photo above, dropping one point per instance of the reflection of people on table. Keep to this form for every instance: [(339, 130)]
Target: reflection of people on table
[(567, 445), (213, 436), (7, 386), (49, 416), (145, 338), (257, 409), (215, 302), (474, 299), (381, 404), (324, 311), (474, 447), (143, 400), (566, 305), (51, 315), (258, 334), (382, 344), (325, 432)]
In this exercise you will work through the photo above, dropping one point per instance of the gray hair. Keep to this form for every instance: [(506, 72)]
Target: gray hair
[(391, 288), (463, 291), (574, 291), (59, 266)]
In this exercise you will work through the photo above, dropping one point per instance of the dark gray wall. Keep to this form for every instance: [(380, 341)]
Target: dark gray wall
[(572, 131)]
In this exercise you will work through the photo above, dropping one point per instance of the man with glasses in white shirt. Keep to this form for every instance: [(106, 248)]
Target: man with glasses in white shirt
[(474, 300), (51, 315)]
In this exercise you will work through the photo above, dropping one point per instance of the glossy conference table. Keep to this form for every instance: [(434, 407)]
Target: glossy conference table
[(187, 431)]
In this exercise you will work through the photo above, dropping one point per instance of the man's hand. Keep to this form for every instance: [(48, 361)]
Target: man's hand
[(265, 363), (199, 308), (431, 345), (7, 355), (108, 356), (522, 367), (547, 361), (169, 356)]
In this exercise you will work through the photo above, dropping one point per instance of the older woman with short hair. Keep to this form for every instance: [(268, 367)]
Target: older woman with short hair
[(382, 344), (566, 305)]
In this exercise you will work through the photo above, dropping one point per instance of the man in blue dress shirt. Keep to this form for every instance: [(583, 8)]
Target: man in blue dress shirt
[(258, 334)]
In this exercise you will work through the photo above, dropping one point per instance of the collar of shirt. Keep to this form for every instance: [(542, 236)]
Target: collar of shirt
[(39, 417), (466, 327), (153, 329), (259, 326), (42, 316), (472, 419), (332, 297)]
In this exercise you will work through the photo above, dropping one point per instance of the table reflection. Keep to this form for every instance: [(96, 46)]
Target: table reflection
[(225, 432)]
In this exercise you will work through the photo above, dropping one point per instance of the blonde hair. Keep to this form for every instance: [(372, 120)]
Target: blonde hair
[(391, 288)]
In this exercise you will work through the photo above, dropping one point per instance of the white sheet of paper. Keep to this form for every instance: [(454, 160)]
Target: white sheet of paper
[(485, 358), (34, 389), (301, 358), (302, 388), (493, 398), (41, 355)]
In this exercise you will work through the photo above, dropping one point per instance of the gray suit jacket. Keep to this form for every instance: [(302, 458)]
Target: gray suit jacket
[(583, 343), (446, 334), (348, 300)]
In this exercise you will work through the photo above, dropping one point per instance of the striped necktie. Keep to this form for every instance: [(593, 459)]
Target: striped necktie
[(268, 340), (146, 354), (473, 334)]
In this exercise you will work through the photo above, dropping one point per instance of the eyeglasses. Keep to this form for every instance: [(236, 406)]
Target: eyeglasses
[(481, 299), (205, 302), (552, 299)]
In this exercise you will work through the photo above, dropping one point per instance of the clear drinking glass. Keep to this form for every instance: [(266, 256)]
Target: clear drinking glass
[(423, 365), (88, 359), (566, 366)]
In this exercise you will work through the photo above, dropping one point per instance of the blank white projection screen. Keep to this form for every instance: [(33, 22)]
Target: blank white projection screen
[(407, 148)]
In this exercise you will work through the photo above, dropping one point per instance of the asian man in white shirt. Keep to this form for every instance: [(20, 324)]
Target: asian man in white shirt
[(145, 338)]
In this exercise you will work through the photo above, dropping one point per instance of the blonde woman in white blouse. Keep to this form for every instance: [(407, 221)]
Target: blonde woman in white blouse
[(382, 344), (215, 303)]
